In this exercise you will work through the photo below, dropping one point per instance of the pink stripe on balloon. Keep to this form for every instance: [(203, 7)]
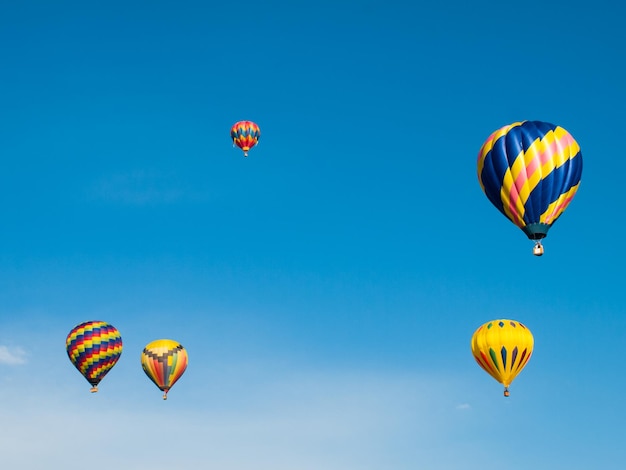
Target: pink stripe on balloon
[(532, 167), (555, 147), (547, 154)]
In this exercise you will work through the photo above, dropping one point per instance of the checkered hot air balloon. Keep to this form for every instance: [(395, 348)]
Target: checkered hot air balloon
[(94, 347), (245, 135), (530, 171), (502, 348), (164, 361)]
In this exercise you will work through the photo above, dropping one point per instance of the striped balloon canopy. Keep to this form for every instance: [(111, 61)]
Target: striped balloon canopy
[(530, 171), (245, 135), (502, 348), (164, 361), (94, 347)]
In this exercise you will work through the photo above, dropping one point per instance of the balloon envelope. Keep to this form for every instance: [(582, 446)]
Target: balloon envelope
[(94, 347), (164, 361), (245, 135), (530, 171), (502, 348)]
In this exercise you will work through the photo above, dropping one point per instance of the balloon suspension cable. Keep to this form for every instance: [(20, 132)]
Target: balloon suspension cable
[(94, 389), (538, 249), (506, 392)]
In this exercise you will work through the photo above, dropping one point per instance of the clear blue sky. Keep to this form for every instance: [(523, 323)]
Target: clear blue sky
[(327, 286)]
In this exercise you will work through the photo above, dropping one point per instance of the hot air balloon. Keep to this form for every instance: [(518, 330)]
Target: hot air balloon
[(94, 347), (502, 348), (164, 361), (245, 135), (530, 171)]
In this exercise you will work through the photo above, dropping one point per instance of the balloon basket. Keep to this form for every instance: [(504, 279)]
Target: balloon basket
[(506, 392), (94, 389), (538, 249)]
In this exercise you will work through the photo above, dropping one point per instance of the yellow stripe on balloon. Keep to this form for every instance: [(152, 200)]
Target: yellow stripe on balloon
[(519, 185), (557, 207), (513, 207), (532, 168)]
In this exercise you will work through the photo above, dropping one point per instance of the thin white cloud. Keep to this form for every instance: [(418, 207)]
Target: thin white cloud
[(13, 356), (463, 406)]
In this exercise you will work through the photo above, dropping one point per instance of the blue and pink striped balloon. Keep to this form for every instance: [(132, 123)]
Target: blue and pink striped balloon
[(530, 171)]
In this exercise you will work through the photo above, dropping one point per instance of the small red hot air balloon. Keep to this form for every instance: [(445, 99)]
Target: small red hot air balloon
[(245, 135)]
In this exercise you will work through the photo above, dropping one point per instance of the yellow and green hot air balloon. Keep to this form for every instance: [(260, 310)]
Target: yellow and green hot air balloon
[(502, 348), (164, 361)]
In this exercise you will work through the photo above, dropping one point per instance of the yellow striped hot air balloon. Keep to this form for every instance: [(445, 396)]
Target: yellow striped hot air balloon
[(94, 347), (502, 348), (530, 171), (164, 361)]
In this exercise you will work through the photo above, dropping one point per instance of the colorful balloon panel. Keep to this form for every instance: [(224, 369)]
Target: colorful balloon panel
[(245, 135), (502, 348), (530, 171), (94, 347), (164, 361)]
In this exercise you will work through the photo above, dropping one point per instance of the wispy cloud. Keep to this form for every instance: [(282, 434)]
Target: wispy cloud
[(463, 406), (13, 356)]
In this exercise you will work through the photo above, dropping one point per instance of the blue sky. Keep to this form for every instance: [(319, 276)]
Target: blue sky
[(327, 286)]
